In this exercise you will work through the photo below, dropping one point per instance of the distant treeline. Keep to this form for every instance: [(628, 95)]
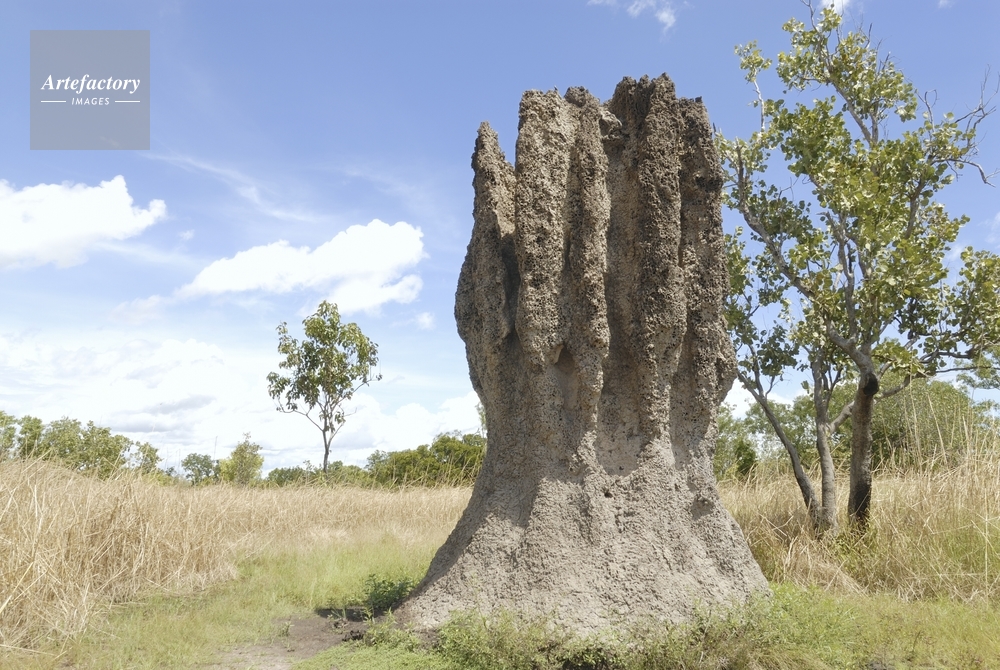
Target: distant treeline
[(930, 424), (87, 448), (450, 460)]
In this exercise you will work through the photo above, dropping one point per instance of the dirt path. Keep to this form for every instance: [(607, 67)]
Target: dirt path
[(296, 639)]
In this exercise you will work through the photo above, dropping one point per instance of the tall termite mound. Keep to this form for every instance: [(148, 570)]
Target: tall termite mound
[(590, 303)]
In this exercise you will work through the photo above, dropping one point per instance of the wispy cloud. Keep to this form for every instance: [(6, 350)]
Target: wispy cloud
[(249, 188), (838, 5), (58, 223), (425, 321), (661, 10)]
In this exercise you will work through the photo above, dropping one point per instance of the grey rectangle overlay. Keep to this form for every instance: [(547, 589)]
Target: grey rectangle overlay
[(90, 89)]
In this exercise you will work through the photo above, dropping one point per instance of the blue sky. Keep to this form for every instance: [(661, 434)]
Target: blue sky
[(302, 151)]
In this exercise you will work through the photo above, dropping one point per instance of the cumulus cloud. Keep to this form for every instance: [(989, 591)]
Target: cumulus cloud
[(371, 427), (661, 10), (360, 269), (188, 396), (58, 223)]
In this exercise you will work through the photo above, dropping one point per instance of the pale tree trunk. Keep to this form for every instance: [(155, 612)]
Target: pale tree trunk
[(327, 439), (859, 502), (827, 515), (813, 506)]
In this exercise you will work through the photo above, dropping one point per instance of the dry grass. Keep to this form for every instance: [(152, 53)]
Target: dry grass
[(934, 534), (70, 545)]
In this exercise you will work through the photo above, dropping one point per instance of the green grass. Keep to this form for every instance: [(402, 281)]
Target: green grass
[(798, 628), (184, 631)]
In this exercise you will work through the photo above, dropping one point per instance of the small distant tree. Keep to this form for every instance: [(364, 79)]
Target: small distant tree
[(92, 449), (145, 458), (200, 468), (324, 371), (8, 435), (29, 436), (447, 460), (735, 455), (244, 465), (288, 476)]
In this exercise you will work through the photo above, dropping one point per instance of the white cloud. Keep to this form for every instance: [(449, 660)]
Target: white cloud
[(838, 5), (662, 10), (58, 223), (361, 269), (198, 397), (425, 321), (944, 4), (666, 16), (186, 235), (637, 7), (370, 428)]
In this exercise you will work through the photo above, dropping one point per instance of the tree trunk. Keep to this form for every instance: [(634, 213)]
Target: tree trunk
[(827, 517), (326, 451), (805, 486), (861, 451), (828, 512)]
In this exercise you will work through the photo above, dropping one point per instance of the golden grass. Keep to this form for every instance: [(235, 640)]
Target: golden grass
[(71, 546), (933, 534)]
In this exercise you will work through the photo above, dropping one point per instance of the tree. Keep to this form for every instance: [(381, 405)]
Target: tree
[(855, 271), (92, 449), (448, 460), (200, 468), (244, 465), (29, 436), (734, 447), (146, 458), (325, 370), (8, 435)]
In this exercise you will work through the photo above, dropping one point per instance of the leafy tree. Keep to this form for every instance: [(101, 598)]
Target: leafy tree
[(288, 476), (146, 458), (8, 435), (92, 449), (325, 369), (855, 272), (447, 460), (244, 465), (200, 468), (929, 425), (29, 436), (735, 455)]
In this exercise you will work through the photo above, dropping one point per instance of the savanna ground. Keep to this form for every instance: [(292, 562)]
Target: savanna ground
[(128, 573)]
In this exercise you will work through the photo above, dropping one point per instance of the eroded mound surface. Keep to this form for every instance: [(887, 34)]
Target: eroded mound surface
[(590, 305)]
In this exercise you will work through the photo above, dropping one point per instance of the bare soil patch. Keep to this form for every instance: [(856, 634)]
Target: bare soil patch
[(296, 639)]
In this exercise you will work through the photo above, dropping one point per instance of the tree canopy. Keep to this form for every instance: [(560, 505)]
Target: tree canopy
[(843, 270)]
